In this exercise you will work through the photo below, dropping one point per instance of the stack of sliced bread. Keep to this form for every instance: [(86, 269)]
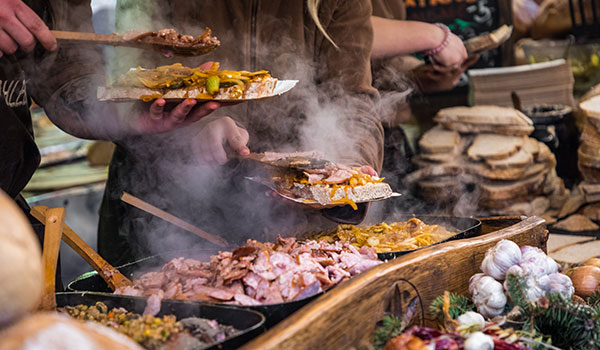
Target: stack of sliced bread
[(588, 155), (588, 161), (480, 161)]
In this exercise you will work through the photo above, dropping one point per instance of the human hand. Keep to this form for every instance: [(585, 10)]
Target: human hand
[(20, 26), (433, 78), (155, 119), (210, 143), (453, 55)]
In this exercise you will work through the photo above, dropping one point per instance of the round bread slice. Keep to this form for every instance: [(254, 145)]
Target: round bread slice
[(494, 147), (439, 140), (433, 171), (589, 174), (587, 159), (442, 190), (359, 194), (21, 269), (483, 115), (591, 108), (532, 146), (254, 90), (521, 158), (514, 173), (499, 191), (439, 157), (590, 135), (576, 222), (591, 211), (509, 130)]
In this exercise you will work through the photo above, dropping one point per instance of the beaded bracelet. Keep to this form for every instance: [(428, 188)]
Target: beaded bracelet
[(444, 43)]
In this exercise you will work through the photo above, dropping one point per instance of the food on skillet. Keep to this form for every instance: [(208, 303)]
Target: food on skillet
[(154, 332), (255, 274), (327, 183), (393, 237), (202, 44), (178, 82)]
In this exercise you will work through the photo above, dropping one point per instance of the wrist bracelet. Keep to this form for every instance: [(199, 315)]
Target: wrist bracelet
[(444, 43)]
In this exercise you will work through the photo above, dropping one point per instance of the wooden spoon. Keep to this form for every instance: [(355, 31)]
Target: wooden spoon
[(149, 208), (112, 276), (54, 222), (178, 48)]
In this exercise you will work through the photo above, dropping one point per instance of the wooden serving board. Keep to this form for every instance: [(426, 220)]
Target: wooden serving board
[(345, 317)]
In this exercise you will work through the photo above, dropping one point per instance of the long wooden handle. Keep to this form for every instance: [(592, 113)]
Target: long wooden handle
[(110, 39), (112, 276), (52, 235), (149, 208)]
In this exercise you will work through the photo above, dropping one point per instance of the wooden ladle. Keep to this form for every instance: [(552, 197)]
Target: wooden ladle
[(112, 276), (181, 49), (150, 209)]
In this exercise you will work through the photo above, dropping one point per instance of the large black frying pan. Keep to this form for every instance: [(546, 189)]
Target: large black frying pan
[(91, 281), (249, 323), (463, 226)]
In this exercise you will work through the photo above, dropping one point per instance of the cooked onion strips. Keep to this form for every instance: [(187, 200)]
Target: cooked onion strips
[(383, 237)]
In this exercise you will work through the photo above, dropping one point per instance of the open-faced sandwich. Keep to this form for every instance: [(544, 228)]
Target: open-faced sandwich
[(176, 82), (330, 184)]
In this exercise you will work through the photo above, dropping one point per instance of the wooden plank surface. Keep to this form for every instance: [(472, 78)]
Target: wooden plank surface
[(54, 222), (345, 316)]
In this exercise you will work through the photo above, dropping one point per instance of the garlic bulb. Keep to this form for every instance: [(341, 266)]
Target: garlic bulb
[(487, 294), (557, 283), (470, 318), (500, 258), (532, 290), (537, 257), (479, 341)]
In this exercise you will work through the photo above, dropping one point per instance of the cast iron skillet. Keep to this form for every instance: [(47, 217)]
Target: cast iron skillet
[(463, 226), (91, 281), (248, 322)]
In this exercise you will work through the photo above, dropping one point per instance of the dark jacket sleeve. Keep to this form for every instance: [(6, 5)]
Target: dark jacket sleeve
[(345, 75), (64, 82)]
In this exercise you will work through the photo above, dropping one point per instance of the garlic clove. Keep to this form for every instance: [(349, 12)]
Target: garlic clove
[(479, 341), (496, 300), (470, 318), (500, 258)]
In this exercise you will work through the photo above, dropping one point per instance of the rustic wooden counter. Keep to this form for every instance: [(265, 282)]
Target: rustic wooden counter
[(346, 316)]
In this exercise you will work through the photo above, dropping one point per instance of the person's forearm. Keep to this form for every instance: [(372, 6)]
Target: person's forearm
[(75, 109), (397, 38)]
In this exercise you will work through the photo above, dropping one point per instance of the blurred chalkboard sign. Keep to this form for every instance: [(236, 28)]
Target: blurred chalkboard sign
[(467, 18)]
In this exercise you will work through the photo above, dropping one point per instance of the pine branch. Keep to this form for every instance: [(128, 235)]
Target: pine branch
[(391, 326), (572, 326), (459, 304), (594, 299), (517, 293)]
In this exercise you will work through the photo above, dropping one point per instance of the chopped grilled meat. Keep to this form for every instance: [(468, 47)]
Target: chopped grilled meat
[(259, 273)]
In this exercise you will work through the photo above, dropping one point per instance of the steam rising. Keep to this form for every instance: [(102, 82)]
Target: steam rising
[(163, 170)]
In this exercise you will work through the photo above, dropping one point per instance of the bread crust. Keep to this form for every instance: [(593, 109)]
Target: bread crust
[(358, 194), (494, 147), (254, 90)]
